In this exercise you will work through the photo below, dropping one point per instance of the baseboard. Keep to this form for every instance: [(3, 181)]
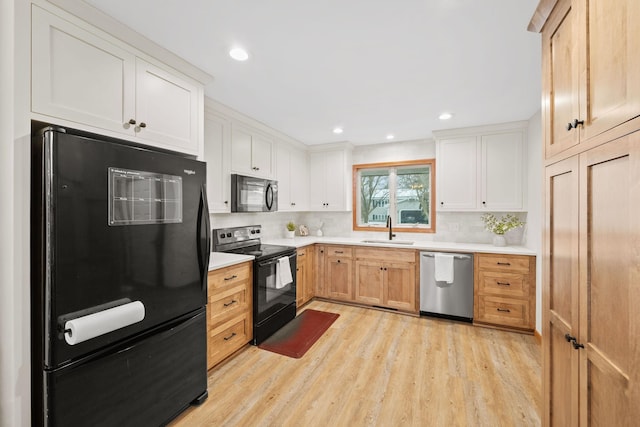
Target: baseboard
[(538, 337)]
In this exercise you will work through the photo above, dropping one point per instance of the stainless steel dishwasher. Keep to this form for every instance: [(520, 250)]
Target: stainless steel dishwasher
[(451, 300)]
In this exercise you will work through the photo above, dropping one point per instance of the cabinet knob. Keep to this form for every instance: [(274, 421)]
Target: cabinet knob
[(132, 122), (484, 203), (577, 345), (143, 125), (574, 124), (441, 203), (569, 338), (226, 202)]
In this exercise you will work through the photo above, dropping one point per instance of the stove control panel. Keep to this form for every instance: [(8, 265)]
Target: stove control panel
[(235, 235)]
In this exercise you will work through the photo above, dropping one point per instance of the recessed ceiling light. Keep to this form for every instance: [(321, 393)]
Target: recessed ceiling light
[(390, 136), (239, 54), (445, 116), (337, 130)]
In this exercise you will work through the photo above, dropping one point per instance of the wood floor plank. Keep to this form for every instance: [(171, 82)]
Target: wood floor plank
[(375, 368)]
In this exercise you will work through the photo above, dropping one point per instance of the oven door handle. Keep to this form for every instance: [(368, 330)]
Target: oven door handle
[(274, 261)]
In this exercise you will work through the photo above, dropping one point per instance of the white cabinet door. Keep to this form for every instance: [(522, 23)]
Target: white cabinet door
[(335, 183), (217, 154), (327, 181), (502, 172), (317, 184), (457, 174), (283, 175), (292, 175), (80, 77), (241, 151), (261, 156), (251, 154), (299, 180), (166, 108)]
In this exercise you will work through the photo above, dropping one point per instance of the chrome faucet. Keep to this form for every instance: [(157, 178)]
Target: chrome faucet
[(391, 235)]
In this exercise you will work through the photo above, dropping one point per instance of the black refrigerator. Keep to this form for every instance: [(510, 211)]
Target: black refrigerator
[(120, 243)]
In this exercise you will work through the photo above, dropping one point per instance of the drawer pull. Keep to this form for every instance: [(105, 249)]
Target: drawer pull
[(231, 278), (230, 303), (339, 252), (299, 255), (504, 283), (233, 334), (504, 263), (504, 310)]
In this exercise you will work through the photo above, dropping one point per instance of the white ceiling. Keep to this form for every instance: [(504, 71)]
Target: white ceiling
[(373, 67)]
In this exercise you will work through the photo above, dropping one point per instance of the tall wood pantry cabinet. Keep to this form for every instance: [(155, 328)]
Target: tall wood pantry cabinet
[(591, 250)]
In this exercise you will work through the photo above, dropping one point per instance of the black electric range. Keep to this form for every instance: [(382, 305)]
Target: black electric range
[(274, 277)]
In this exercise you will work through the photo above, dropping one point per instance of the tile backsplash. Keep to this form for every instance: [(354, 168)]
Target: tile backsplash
[(462, 227)]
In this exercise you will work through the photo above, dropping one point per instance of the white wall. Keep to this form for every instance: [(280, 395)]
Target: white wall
[(535, 204), (14, 213)]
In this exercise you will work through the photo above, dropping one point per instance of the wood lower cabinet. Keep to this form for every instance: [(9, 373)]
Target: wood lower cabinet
[(338, 274), (505, 291), (229, 311), (386, 278), (320, 286), (304, 275)]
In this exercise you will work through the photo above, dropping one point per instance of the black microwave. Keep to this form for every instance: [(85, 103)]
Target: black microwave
[(250, 194)]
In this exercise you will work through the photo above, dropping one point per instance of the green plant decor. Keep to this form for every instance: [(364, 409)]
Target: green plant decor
[(291, 226), (502, 225)]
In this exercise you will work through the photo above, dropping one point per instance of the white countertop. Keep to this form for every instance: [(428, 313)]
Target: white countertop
[(420, 245), (222, 259)]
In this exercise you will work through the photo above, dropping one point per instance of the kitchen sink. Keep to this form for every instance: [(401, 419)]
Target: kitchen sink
[(392, 242)]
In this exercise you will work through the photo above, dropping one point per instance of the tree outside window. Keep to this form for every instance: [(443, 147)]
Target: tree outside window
[(402, 190)]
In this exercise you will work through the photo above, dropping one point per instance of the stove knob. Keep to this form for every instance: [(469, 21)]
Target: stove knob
[(228, 234), (253, 231), (222, 235), (258, 231)]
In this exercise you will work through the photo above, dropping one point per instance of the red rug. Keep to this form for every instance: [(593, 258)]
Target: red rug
[(297, 336)]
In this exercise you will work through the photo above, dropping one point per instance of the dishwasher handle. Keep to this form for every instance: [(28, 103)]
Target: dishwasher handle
[(456, 256)]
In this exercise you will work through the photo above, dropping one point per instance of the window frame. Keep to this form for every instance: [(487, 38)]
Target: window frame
[(398, 227)]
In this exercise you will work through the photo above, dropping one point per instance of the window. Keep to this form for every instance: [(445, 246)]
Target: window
[(402, 190)]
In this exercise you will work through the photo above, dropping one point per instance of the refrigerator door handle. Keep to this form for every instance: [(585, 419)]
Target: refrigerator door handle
[(203, 234)]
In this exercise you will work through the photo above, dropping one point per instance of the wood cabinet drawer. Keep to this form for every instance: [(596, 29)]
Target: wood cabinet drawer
[(339, 251), (386, 255), (509, 263), (229, 276), (504, 312), (227, 338), (504, 284), (224, 305)]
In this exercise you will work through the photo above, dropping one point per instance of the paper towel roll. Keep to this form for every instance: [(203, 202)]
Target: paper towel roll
[(93, 325)]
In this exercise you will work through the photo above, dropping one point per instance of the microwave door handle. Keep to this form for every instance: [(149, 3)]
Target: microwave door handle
[(269, 196)]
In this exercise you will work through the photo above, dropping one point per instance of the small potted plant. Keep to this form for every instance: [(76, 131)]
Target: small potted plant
[(291, 230), (500, 226)]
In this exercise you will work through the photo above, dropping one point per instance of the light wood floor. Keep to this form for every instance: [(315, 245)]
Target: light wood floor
[(373, 368)]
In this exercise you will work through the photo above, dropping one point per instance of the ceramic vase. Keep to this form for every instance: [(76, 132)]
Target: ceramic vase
[(499, 240)]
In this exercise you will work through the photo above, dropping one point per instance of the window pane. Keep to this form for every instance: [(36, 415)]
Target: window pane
[(374, 196), (413, 195)]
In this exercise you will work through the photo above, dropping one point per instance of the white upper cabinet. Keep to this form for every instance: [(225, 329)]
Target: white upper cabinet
[(166, 108), (83, 77), (330, 180), (251, 153), (217, 154), (501, 168), (481, 169), (292, 173), (456, 164)]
